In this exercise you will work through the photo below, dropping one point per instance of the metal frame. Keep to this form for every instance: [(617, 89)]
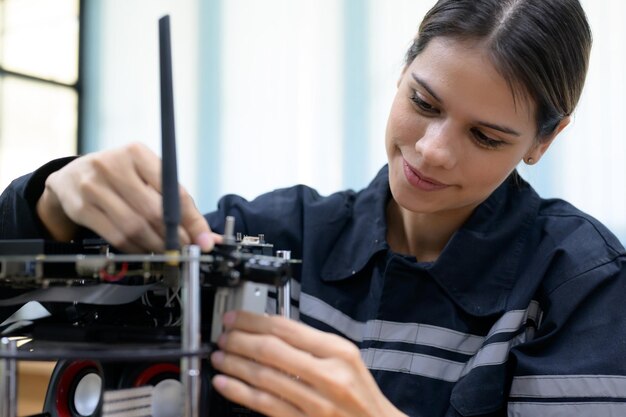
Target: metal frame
[(190, 345), (191, 348)]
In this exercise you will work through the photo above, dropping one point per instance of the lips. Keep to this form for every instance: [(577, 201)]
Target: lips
[(420, 181)]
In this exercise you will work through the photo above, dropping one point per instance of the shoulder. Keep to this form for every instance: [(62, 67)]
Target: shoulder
[(282, 205), (283, 216), (297, 214), (572, 244), (562, 222), (302, 201)]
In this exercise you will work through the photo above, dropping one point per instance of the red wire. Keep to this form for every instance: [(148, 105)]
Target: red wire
[(105, 276)]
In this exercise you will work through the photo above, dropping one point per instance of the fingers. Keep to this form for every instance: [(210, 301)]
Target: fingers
[(117, 220), (195, 224), (117, 194), (208, 240), (146, 163), (194, 227), (327, 362), (53, 217), (280, 386), (103, 225), (268, 350), (94, 192), (321, 344), (261, 401), (128, 174), (334, 377), (259, 350)]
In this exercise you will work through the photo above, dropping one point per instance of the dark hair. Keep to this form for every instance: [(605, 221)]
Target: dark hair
[(540, 47)]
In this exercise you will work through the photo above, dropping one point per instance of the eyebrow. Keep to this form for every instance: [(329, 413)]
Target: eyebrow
[(500, 128), (426, 87)]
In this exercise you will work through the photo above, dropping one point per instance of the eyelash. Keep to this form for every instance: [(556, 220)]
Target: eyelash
[(479, 137), (485, 141), (422, 105)]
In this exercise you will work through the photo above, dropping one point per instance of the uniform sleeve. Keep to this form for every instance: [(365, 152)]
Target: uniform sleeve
[(18, 216), (278, 215), (576, 364)]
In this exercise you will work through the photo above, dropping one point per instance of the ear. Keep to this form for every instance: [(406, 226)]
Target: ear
[(539, 148)]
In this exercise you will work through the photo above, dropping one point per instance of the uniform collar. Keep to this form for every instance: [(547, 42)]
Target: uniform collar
[(477, 268), (364, 233)]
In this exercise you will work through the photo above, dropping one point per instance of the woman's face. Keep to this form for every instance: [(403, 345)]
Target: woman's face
[(454, 131)]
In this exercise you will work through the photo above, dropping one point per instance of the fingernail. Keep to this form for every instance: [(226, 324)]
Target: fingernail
[(217, 357), (229, 318), (205, 241), (220, 381)]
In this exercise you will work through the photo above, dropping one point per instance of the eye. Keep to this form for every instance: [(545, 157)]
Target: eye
[(485, 141), (423, 105)]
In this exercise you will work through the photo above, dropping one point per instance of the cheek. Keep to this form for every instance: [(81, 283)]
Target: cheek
[(487, 171), (404, 126)]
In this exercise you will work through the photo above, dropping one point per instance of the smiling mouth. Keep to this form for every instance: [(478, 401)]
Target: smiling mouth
[(418, 180)]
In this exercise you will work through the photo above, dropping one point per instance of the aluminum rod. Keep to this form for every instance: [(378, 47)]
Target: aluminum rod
[(283, 303), (191, 337), (8, 378)]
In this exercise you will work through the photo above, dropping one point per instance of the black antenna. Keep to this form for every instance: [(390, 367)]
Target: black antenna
[(171, 203)]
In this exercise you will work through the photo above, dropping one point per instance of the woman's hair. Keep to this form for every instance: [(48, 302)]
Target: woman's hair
[(540, 47)]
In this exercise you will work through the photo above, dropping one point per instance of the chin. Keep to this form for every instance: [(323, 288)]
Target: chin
[(405, 198)]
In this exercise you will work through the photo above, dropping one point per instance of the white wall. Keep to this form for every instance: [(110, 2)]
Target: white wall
[(122, 83), (282, 103), (587, 163), (282, 95)]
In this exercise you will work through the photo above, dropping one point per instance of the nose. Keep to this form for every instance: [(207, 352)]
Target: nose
[(437, 146)]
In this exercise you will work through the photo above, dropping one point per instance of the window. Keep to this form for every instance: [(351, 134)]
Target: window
[(39, 79)]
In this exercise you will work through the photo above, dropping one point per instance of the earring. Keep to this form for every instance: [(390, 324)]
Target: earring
[(529, 161)]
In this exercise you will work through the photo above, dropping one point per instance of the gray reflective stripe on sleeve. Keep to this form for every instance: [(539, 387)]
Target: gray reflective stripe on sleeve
[(498, 353), (415, 333), (513, 320), (432, 366), (569, 409), (492, 354), (534, 312), (319, 310), (423, 334), (569, 386), (483, 352), (412, 363)]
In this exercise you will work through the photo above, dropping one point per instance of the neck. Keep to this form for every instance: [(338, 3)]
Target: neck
[(423, 235)]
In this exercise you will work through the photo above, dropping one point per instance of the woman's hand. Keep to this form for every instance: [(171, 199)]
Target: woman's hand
[(117, 194), (282, 368)]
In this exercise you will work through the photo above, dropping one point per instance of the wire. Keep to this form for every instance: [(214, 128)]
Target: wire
[(105, 276)]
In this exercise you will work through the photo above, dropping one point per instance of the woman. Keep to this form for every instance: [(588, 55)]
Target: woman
[(447, 287)]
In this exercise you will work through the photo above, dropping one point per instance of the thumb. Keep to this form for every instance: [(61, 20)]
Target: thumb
[(196, 225)]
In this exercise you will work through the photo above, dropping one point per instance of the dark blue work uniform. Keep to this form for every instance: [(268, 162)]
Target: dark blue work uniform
[(521, 314)]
